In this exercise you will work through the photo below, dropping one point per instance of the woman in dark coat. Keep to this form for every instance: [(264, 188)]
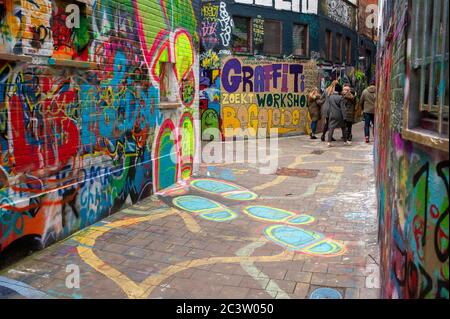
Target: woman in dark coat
[(336, 105), (314, 105), (325, 108), (350, 110)]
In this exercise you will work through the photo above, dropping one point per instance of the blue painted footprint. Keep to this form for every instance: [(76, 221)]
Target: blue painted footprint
[(206, 208), (279, 215), (288, 236), (305, 241), (227, 190)]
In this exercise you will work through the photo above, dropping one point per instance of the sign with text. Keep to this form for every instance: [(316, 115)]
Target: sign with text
[(259, 95)]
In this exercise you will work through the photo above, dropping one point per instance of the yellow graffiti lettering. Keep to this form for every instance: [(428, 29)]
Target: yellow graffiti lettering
[(237, 98), (295, 117), (253, 117)]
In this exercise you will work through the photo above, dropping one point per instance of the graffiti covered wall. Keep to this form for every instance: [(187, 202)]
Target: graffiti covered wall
[(79, 142), (340, 11), (412, 180), (255, 103), (24, 26)]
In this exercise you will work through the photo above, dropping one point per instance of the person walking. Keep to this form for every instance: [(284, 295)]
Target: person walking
[(314, 105), (350, 110), (367, 104), (325, 108), (336, 104)]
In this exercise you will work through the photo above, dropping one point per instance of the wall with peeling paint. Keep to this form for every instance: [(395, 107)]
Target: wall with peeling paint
[(84, 130)]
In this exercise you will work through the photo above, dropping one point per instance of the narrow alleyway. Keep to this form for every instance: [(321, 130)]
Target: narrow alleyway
[(229, 233)]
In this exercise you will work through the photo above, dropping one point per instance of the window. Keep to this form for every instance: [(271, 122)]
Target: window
[(348, 51), (267, 36), (339, 47), (241, 35), (426, 117), (272, 37), (328, 45), (167, 81), (300, 39)]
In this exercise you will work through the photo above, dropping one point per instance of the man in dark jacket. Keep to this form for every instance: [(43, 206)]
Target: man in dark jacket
[(367, 103), (336, 111)]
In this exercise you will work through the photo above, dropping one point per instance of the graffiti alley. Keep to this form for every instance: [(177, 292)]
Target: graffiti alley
[(226, 149), (229, 232)]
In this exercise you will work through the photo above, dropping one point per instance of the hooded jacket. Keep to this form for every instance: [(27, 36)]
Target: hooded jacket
[(368, 100)]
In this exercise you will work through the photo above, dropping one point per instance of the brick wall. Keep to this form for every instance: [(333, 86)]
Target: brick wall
[(83, 127)]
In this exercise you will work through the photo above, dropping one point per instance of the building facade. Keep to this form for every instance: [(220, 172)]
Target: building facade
[(412, 160), (98, 109), (304, 43)]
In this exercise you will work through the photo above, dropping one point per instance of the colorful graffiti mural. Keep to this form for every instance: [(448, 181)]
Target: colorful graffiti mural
[(415, 220), (259, 95), (70, 31), (412, 182), (210, 100), (78, 144), (340, 11), (25, 26), (215, 35)]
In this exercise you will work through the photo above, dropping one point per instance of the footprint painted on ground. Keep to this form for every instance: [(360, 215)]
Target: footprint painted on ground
[(286, 234), (278, 215), (206, 208), (227, 190), (305, 241)]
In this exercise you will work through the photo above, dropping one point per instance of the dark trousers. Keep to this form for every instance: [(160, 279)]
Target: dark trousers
[(314, 127), (347, 130), (368, 118), (325, 127), (331, 132)]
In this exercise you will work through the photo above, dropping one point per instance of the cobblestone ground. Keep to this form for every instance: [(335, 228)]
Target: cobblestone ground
[(308, 230)]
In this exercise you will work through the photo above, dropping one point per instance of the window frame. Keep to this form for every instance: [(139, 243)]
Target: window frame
[(348, 50), (411, 129), (280, 22), (249, 35), (306, 26)]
